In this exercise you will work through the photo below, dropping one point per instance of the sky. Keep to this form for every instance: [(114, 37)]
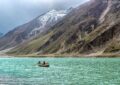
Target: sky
[(17, 12)]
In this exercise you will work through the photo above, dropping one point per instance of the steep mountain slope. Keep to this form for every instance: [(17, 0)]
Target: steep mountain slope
[(93, 27), (31, 29)]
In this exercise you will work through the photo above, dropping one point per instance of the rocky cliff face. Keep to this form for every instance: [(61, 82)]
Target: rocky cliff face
[(93, 27), (106, 32)]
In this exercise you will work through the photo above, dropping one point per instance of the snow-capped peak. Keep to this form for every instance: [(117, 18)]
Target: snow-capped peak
[(51, 16), (48, 19)]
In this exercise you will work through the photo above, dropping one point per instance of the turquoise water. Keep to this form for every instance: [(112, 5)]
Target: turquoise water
[(62, 71)]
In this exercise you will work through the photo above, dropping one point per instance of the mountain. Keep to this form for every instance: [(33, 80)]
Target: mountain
[(31, 29), (92, 28), (1, 34), (48, 20)]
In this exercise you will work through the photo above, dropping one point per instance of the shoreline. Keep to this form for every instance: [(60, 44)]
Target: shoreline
[(3, 54), (110, 55)]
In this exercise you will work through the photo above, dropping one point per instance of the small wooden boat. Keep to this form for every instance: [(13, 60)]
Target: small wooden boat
[(43, 65)]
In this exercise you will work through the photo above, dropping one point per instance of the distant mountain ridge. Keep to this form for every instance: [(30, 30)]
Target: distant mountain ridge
[(31, 29), (1, 34)]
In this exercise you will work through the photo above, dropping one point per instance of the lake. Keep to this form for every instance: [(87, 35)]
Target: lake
[(62, 71)]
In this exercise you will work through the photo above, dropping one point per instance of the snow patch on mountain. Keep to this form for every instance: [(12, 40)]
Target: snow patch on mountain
[(47, 20), (51, 16)]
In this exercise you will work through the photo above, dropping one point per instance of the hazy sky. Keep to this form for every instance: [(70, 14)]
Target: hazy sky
[(16, 12)]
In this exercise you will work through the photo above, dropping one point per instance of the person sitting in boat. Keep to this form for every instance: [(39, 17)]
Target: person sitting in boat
[(39, 62), (44, 62)]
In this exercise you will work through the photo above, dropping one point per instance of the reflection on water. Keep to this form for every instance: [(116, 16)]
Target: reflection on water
[(62, 71)]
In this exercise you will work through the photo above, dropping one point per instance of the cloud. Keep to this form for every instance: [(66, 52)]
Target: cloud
[(17, 12)]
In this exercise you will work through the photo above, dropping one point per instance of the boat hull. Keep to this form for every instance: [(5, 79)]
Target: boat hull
[(43, 65)]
